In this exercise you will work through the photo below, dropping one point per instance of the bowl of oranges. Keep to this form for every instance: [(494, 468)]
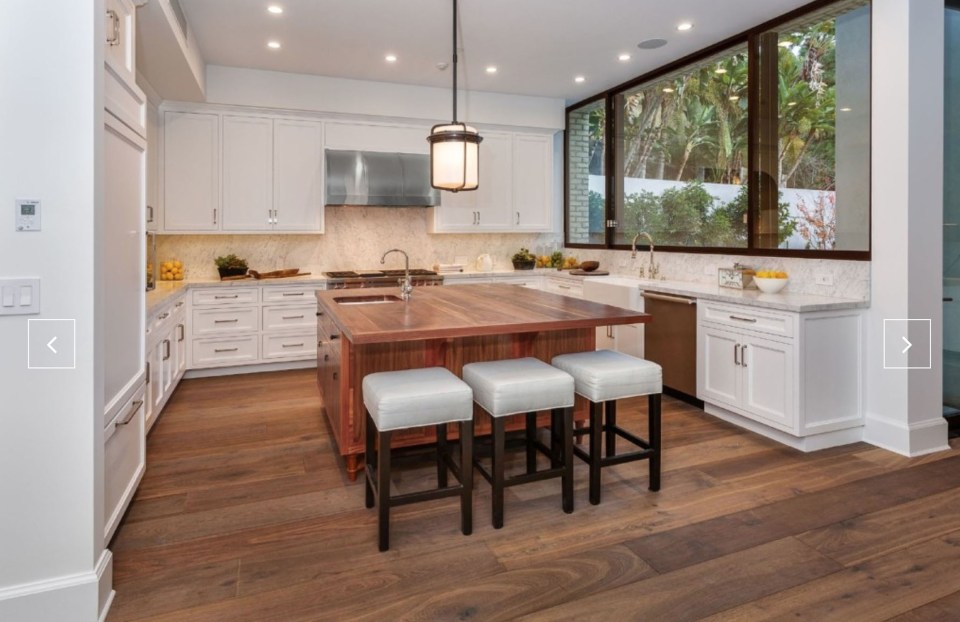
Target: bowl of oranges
[(770, 281), (171, 271)]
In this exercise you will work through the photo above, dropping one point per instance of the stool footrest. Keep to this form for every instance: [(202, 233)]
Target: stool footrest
[(426, 495), (627, 457), (520, 478)]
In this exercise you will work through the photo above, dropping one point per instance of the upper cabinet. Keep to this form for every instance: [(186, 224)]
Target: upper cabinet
[(297, 175), (515, 193), (121, 46), (191, 171), (247, 174)]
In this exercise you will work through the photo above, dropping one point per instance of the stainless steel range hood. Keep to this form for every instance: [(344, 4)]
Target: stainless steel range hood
[(379, 179)]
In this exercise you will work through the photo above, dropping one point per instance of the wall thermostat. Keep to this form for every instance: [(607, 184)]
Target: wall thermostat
[(28, 215)]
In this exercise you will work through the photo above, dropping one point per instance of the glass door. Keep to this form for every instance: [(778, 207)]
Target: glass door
[(951, 218)]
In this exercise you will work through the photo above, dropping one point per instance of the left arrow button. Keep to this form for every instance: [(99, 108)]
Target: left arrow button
[(50, 345)]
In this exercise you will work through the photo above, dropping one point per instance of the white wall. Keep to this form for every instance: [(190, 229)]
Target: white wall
[(289, 91), (903, 408), (51, 442)]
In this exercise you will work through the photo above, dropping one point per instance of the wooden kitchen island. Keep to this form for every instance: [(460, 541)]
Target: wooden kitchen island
[(358, 333)]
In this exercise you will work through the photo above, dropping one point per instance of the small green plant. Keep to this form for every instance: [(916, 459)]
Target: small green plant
[(522, 256), (556, 259), (230, 262)]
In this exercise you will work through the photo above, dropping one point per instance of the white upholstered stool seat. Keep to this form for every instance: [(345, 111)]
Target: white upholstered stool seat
[(516, 386), (525, 385), (412, 398), (416, 398), (604, 375)]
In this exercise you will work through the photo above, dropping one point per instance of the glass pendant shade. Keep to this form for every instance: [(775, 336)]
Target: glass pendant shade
[(454, 157)]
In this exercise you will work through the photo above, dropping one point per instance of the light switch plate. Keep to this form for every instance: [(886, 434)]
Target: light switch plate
[(23, 296)]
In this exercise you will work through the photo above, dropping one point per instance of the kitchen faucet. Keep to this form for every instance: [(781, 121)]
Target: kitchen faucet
[(406, 287), (654, 268)]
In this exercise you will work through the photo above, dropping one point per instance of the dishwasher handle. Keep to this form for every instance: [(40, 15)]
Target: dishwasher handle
[(668, 298)]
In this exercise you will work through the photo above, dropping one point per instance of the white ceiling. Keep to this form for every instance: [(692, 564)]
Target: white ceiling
[(537, 45)]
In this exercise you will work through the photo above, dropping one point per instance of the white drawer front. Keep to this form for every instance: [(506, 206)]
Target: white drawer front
[(226, 295), (225, 352), (289, 294), (124, 459), (291, 317), (210, 322), (558, 286), (747, 318), (295, 346)]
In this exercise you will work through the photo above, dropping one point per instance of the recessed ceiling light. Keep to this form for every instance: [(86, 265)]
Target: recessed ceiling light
[(579, 79), (492, 69), (273, 45), (651, 44), (276, 9), (390, 58), (845, 109), (624, 57), (667, 89), (684, 26), (785, 44)]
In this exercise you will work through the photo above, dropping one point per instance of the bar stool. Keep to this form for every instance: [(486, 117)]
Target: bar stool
[(416, 398), (526, 385), (603, 377)]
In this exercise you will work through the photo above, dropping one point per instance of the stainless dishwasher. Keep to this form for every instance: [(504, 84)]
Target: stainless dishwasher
[(670, 340)]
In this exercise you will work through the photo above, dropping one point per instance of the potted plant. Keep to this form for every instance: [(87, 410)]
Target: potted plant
[(523, 260), (231, 265)]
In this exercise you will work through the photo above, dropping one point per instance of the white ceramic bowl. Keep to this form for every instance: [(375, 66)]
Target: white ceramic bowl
[(770, 286)]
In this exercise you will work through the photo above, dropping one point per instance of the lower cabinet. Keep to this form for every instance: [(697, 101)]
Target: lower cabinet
[(627, 338), (124, 459), (166, 357)]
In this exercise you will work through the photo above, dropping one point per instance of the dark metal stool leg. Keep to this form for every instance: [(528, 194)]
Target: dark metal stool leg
[(610, 426), (466, 477), (653, 414), (567, 477), (499, 441), (531, 439), (369, 456), (383, 490), (556, 441), (596, 427), (441, 452)]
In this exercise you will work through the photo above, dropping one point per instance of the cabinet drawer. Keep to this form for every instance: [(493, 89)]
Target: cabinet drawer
[(282, 318), (561, 286), (747, 318), (326, 329), (226, 295), (295, 346), (124, 459), (209, 322), (292, 295), (224, 352)]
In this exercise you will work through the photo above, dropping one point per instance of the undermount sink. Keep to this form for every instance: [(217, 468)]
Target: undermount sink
[(366, 300)]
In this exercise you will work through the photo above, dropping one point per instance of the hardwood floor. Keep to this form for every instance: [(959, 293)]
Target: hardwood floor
[(245, 514)]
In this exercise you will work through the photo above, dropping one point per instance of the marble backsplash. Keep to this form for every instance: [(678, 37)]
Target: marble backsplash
[(357, 236)]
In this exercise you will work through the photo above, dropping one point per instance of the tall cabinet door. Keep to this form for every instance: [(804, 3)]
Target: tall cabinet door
[(247, 174), (298, 175), (494, 196), (533, 170), (718, 369), (191, 171), (124, 154)]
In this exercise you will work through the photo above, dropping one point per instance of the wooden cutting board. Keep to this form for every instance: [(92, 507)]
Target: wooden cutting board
[(579, 272)]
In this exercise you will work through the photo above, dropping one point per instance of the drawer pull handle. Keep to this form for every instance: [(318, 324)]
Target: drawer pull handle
[(326, 357), (114, 38), (563, 286), (133, 410), (332, 337), (293, 345), (183, 332), (752, 320), (743, 355), (319, 313), (667, 298), (218, 350), (179, 304), (148, 372), (166, 349), (293, 294), (225, 297), (233, 321), (164, 315), (293, 317), (736, 350)]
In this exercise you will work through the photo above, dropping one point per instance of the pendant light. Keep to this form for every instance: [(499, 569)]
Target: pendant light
[(455, 146)]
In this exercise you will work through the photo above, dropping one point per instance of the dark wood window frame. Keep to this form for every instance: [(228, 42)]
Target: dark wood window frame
[(750, 38)]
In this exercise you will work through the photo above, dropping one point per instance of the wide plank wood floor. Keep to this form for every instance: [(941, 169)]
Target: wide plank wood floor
[(245, 514)]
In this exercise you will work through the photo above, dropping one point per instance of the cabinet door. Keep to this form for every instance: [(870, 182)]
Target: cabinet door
[(157, 393), (718, 374), (298, 175), (457, 212), (119, 38), (247, 174), (180, 346), (191, 171), (495, 194), (768, 382), (153, 168), (629, 339), (533, 172), (605, 338)]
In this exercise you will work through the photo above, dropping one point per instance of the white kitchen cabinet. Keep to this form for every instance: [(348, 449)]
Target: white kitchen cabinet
[(533, 177), (247, 157), (124, 461), (626, 338), (718, 370), (767, 390), (298, 175), (191, 171), (494, 196), (380, 137), (165, 358), (120, 51), (153, 168), (566, 287)]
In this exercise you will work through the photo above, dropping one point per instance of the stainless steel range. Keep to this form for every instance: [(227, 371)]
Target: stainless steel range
[(380, 278)]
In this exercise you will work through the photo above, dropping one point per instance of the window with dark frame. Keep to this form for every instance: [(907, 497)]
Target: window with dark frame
[(758, 145)]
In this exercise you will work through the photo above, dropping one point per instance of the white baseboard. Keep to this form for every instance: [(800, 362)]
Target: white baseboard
[(915, 439), (248, 369), (105, 590), (69, 598), (813, 442)]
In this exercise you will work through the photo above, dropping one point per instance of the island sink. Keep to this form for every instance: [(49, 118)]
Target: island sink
[(367, 300)]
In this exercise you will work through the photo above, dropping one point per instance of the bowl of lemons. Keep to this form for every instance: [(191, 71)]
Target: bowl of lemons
[(770, 281), (171, 270)]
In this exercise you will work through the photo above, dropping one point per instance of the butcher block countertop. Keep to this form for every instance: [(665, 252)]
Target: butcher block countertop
[(465, 311)]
